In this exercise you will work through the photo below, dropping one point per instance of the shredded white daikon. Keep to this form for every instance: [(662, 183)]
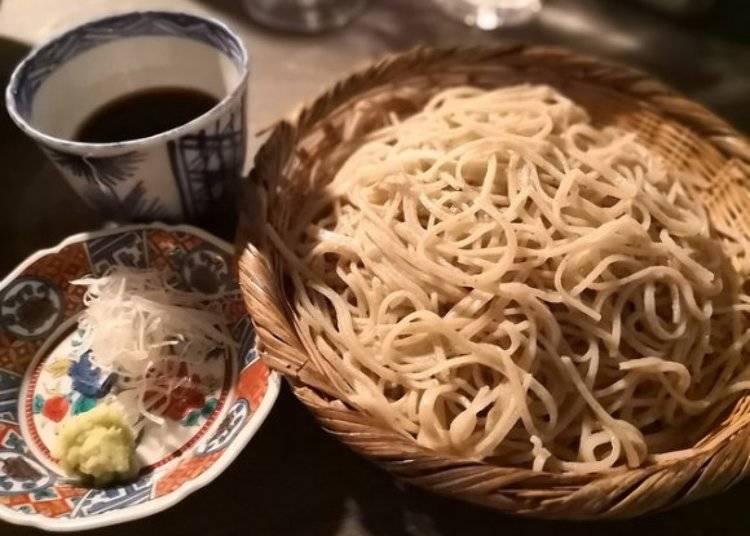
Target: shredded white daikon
[(138, 325)]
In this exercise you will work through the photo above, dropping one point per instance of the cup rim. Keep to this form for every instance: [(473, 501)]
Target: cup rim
[(86, 147)]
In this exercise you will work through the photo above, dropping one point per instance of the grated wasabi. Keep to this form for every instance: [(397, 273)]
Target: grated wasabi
[(98, 445)]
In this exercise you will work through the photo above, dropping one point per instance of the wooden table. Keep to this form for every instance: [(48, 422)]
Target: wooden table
[(293, 478)]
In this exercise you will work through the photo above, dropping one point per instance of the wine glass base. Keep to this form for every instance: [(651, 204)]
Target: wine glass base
[(492, 14), (304, 16)]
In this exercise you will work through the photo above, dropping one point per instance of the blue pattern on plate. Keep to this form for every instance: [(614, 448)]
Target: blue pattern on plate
[(244, 333), (228, 429), (98, 501), (87, 379), (9, 385), (124, 249), (20, 473), (31, 307), (96, 33), (29, 479), (206, 269)]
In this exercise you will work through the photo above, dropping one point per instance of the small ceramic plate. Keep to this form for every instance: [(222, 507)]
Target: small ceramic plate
[(44, 378)]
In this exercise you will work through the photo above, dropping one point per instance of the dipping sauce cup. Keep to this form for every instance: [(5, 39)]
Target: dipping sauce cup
[(187, 173)]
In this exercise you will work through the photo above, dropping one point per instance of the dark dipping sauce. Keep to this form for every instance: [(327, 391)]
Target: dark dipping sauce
[(144, 113)]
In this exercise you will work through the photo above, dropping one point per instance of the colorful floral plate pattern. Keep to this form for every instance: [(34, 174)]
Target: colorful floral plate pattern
[(45, 377)]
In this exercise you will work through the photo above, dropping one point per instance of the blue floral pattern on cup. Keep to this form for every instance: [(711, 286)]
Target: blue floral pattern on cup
[(102, 31), (189, 173)]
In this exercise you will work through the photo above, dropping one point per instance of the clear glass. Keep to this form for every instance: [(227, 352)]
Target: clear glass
[(304, 16), (491, 14)]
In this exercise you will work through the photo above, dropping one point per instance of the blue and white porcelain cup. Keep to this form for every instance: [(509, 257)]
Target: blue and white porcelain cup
[(189, 173)]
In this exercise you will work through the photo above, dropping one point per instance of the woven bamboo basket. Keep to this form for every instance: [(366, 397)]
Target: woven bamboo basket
[(304, 152)]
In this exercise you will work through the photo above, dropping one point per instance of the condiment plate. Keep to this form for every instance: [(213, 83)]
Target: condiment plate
[(43, 379)]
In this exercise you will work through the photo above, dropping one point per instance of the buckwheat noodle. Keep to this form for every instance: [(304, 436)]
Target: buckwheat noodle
[(501, 280)]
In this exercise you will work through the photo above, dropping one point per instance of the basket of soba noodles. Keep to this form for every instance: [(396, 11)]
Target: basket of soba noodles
[(514, 276)]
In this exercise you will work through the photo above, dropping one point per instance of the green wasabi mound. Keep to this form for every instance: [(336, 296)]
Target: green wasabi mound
[(98, 445)]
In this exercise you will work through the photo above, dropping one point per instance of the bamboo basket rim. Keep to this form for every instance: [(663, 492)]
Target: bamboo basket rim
[(620, 493)]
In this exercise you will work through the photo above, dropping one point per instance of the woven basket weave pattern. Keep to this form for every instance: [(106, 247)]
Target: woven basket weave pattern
[(305, 152)]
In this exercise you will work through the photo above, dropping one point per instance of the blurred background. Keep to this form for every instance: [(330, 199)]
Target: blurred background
[(700, 46), (298, 48)]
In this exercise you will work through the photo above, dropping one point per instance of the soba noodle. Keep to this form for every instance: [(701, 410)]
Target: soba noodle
[(501, 280)]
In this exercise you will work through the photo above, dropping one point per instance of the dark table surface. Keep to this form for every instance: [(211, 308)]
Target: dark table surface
[(293, 478)]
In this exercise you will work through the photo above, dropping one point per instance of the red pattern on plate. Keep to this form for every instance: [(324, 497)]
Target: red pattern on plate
[(62, 502), (5, 429), (186, 470), (54, 501), (233, 309), (57, 268), (43, 448), (162, 243), (60, 268), (253, 383), (15, 354), (70, 263)]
